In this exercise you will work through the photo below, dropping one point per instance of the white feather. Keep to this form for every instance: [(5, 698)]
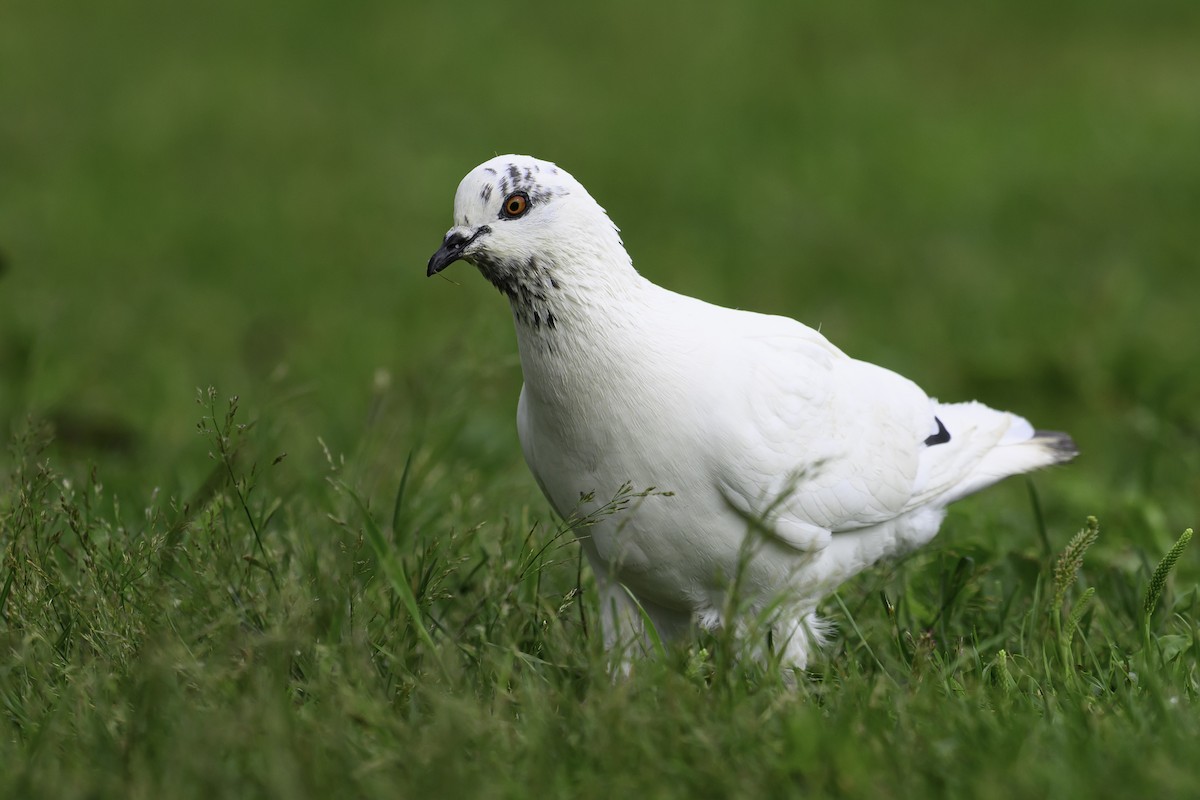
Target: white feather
[(743, 422)]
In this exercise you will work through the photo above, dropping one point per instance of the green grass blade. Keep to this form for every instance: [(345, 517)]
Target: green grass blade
[(398, 506), (647, 624), (393, 570)]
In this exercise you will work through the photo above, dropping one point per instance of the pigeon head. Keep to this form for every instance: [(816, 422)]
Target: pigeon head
[(526, 225)]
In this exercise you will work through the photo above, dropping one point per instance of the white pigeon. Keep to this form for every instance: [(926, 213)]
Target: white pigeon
[(746, 425)]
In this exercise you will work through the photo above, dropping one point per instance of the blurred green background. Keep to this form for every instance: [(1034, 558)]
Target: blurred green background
[(999, 200)]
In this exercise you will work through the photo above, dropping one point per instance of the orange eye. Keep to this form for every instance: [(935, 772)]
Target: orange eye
[(516, 205)]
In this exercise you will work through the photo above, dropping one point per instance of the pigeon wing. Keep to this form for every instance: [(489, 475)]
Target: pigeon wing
[(824, 442)]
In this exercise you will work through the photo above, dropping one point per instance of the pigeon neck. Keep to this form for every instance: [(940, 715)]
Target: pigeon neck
[(579, 325), (569, 300), (559, 291)]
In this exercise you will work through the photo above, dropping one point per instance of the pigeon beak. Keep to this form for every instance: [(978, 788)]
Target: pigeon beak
[(452, 249), (447, 254)]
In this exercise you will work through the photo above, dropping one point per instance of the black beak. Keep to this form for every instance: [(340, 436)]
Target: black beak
[(452, 250)]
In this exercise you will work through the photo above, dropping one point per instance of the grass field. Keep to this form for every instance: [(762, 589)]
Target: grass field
[(345, 583)]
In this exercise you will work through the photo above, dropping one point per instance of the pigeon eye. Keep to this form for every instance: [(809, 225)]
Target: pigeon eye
[(515, 205)]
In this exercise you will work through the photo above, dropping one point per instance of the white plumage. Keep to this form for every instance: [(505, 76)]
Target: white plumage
[(731, 416)]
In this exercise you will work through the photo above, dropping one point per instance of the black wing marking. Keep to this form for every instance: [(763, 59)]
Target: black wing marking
[(941, 437)]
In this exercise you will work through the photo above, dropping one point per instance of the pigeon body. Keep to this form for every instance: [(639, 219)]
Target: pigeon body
[(745, 424)]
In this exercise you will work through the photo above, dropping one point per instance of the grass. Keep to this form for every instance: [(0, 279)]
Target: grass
[(344, 582)]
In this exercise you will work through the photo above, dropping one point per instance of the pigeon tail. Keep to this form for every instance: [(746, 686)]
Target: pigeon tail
[(1021, 449)]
